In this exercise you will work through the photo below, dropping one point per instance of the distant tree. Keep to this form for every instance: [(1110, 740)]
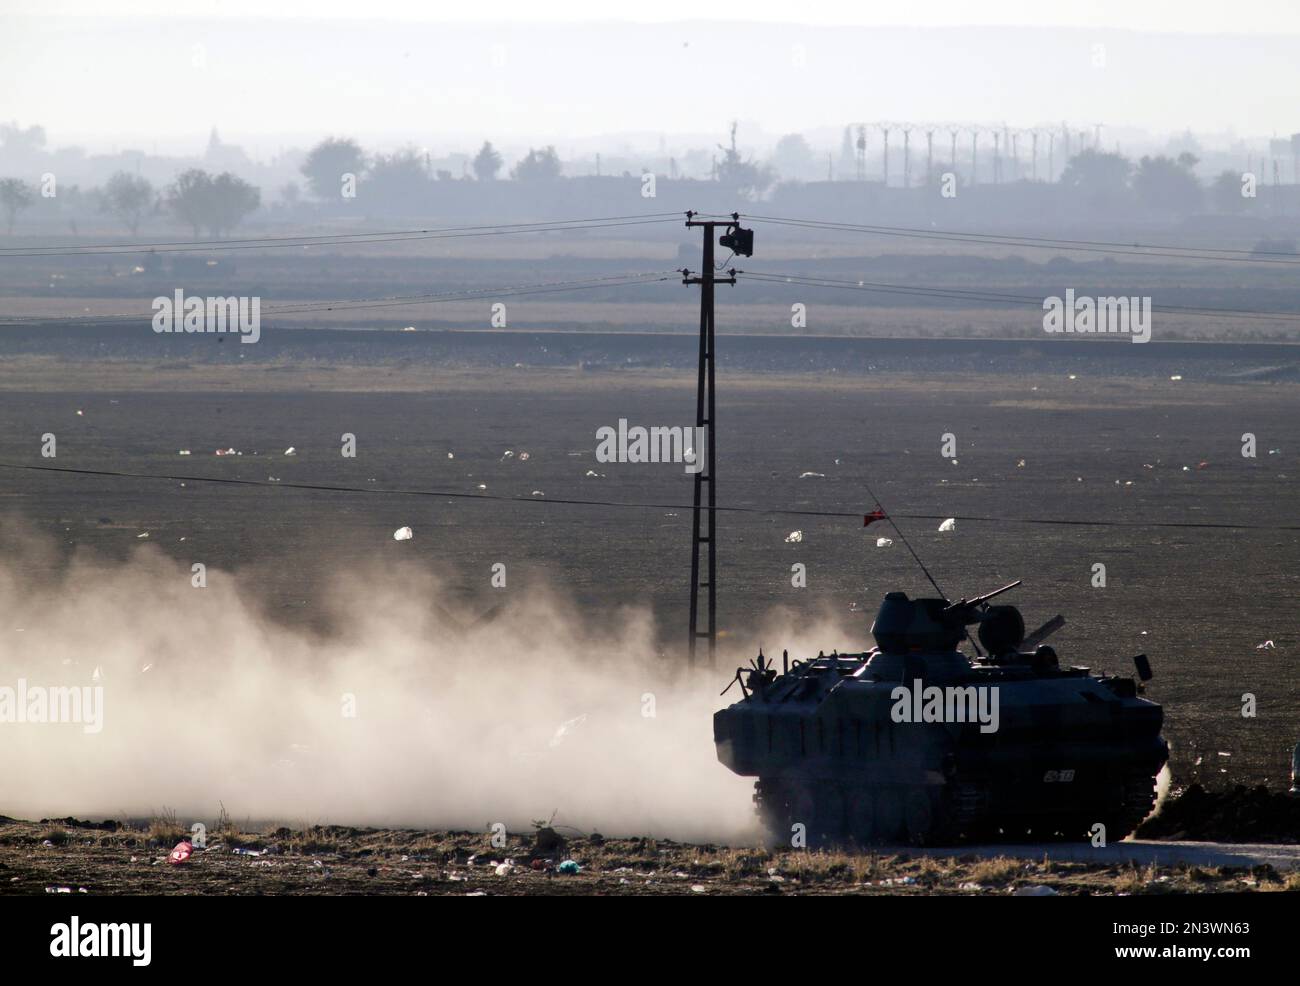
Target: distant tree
[(1098, 177), (215, 204), (232, 199), (1226, 192), (487, 162), (543, 165), (746, 177), (793, 158), (1168, 185), (400, 177), (328, 162), (128, 197), (15, 196)]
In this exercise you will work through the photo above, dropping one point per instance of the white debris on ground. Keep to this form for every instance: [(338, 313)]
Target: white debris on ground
[(1266, 645), (812, 475), (291, 451), (949, 525), (884, 542), (403, 534), (566, 728), (794, 537)]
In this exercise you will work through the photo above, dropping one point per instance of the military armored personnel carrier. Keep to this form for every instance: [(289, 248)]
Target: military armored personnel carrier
[(915, 741)]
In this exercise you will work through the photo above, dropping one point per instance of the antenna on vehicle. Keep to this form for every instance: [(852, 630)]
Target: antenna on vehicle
[(903, 537)]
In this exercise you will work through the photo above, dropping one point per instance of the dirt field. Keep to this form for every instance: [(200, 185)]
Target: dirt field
[(1105, 438), (66, 856)]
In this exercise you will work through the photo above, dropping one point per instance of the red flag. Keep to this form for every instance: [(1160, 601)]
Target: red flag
[(876, 514)]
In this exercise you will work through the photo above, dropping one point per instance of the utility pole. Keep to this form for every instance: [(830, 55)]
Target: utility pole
[(740, 242)]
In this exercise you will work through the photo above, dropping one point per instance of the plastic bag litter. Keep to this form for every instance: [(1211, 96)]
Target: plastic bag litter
[(794, 537), (291, 451), (1038, 890), (949, 525), (1266, 645), (182, 852), (569, 868), (884, 542), (403, 534), (812, 475), (565, 729)]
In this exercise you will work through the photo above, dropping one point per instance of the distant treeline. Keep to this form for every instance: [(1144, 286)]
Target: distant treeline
[(339, 179)]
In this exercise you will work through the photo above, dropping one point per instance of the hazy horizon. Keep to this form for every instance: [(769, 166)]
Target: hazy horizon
[(108, 83)]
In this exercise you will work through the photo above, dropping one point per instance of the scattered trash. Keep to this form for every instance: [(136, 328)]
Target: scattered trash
[(1176, 376), (1038, 890), (949, 525), (182, 852), (291, 451), (970, 886), (227, 451), (144, 535), (505, 869), (569, 868), (812, 475), (794, 537), (241, 851), (183, 451), (1266, 645), (509, 454), (592, 474), (58, 890), (697, 888), (884, 542), (524, 456), (1202, 465), (451, 455), (403, 534), (1020, 463)]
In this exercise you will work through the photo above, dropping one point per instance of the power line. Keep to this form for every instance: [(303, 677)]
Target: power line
[(341, 239), (1219, 254), (641, 505), (392, 301), (962, 294)]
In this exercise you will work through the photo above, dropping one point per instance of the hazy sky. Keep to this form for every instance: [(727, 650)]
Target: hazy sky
[(161, 73)]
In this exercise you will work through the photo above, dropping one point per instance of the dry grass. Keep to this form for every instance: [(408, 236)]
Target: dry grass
[(164, 829)]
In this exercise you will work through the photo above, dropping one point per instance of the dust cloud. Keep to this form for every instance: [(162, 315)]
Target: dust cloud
[(458, 723)]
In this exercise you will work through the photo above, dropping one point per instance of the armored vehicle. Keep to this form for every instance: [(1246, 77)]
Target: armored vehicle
[(914, 741)]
